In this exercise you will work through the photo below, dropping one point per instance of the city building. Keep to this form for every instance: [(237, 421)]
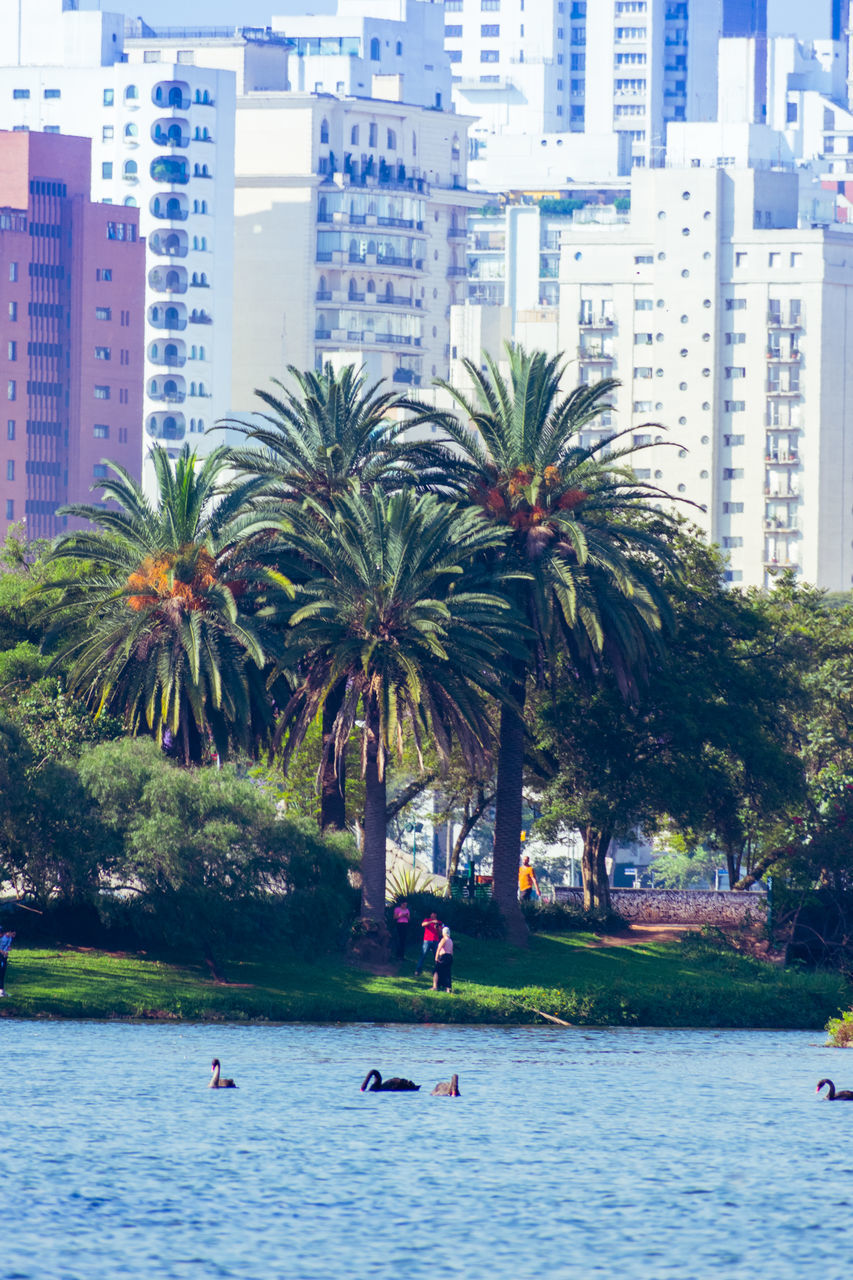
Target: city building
[(72, 284), (163, 143), (381, 49), (350, 221)]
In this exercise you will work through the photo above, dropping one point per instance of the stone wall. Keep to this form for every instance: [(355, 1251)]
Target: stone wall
[(678, 906)]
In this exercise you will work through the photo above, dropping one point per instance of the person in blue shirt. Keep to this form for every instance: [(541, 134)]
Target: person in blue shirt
[(6, 940)]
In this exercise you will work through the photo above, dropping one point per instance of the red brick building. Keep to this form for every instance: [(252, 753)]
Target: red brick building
[(72, 289)]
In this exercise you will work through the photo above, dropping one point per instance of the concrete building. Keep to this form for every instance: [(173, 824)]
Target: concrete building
[(384, 49), (72, 284), (163, 142), (585, 66), (350, 218)]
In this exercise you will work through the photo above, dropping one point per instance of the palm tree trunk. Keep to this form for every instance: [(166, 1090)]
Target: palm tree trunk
[(333, 809), (596, 884), (373, 855), (508, 803)]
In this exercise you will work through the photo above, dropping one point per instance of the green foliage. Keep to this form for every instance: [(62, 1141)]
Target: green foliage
[(205, 860), (553, 917), (477, 919), (406, 882), (559, 207), (840, 1030)]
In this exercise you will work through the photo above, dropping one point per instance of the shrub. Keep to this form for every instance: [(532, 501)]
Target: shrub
[(476, 919), (556, 918), (841, 1030)]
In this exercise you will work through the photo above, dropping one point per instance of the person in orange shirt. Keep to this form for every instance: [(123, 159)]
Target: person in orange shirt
[(527, 881)]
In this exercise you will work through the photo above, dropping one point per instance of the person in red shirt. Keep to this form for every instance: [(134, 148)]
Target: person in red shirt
[(432, 927)]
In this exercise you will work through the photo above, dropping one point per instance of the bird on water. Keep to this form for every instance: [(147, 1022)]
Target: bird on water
[(843, 1095), (394, 1085), (447, 1088), (217, 1081)]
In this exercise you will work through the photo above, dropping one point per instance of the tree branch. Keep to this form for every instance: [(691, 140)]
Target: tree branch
[(409, 793)]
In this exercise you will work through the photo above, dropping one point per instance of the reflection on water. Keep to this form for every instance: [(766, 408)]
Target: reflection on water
[(622, 1153)]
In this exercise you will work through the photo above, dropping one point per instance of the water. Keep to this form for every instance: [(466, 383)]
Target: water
[(624, 1153)]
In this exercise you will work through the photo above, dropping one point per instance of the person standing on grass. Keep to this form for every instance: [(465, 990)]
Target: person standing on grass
[(442, 979), (432, 932), (6, 940), (401, 923), (527, 881)]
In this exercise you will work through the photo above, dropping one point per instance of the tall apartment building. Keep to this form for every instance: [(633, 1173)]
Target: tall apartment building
[(72, 283), (729, 324), (350, 219), (585, 66), (162, 142)]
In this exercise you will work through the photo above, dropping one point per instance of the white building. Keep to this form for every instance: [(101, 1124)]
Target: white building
[(587, 66), (386, 48), (163, 139), (350, 223)]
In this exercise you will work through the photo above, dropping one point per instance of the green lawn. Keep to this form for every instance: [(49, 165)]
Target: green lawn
[(660, 984)]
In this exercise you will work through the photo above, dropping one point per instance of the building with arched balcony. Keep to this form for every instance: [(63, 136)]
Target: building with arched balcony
[(162, 129)]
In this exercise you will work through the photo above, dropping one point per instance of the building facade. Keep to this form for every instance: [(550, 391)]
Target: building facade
[(72, 284), (163, 143), (351, 235)]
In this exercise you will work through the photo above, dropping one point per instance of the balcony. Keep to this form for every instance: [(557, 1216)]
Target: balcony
[(792, 495), (168, 279), (407, 376), (777, 321), (782, 459), (169, 390), (791, 357), (783, 391), (172, 244), (323, 295), (172, 169), (596, 322), (456, 273), (784, 426), (780, 527), (171, 131), (169, 317), (171, 93), (172, 355), (457, 233), (170, 207), (166, 426)]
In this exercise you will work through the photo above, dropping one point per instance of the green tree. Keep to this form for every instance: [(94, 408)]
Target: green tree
[(161, 622), (698, 748), (327, 434), (388, 613), (578, 557)]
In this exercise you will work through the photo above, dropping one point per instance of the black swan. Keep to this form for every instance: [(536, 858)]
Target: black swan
[(215, 1082), (394, 1085), (447, 1088), (843, 1095)]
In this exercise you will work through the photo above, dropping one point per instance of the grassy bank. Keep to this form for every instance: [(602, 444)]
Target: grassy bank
[(660, 984)]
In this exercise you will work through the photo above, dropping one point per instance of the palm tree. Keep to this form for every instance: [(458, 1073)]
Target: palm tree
[(165, 626), (388, 617), (328, 434), (582, 543)]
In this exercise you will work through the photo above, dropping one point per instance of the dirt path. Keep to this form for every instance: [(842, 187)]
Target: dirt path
[(640, 934)]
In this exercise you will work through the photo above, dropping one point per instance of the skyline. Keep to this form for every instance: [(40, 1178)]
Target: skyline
[(786, 16)]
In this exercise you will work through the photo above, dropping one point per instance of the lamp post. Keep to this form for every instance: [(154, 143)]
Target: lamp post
[(414, 827)]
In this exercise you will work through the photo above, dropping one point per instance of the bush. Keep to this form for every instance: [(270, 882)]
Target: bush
[(841, 1030), (475, 919), (555, 918)]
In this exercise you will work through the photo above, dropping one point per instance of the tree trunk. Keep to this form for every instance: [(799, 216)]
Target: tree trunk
[(373, 855), (508, 802), (333, 808), (596, 885), (470, 818)]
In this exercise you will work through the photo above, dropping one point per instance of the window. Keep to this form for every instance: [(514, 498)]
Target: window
[(489, 55), (732, 508), (99, 471), (733, 441), (13, 351), (740, 259), (186, 56), (109, 97), (643, 304), (10, 429), (732, 473), (102, 393), (10, 509), (796, 259), (104, 273), (734, 406), (735, 371), (773, 259), (53, 93), (490, 6), (131, 93), (454, 32), (13, 271), (643, 259), (20, 93), (107, 133), (375, 50), (51, 128), (122, 435), (729, 543), (12, 389), (324, 131), (373, 135), (391, 140), (151, 55), (101, 431), (642, 339), (490, 30), (103, 313), (642, 406), (10, 469), (735, 304), (107, 169), (103, 353), (644, 371), (735, 339)]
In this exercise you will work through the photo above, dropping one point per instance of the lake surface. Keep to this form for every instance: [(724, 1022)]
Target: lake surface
[(621, 1153)]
